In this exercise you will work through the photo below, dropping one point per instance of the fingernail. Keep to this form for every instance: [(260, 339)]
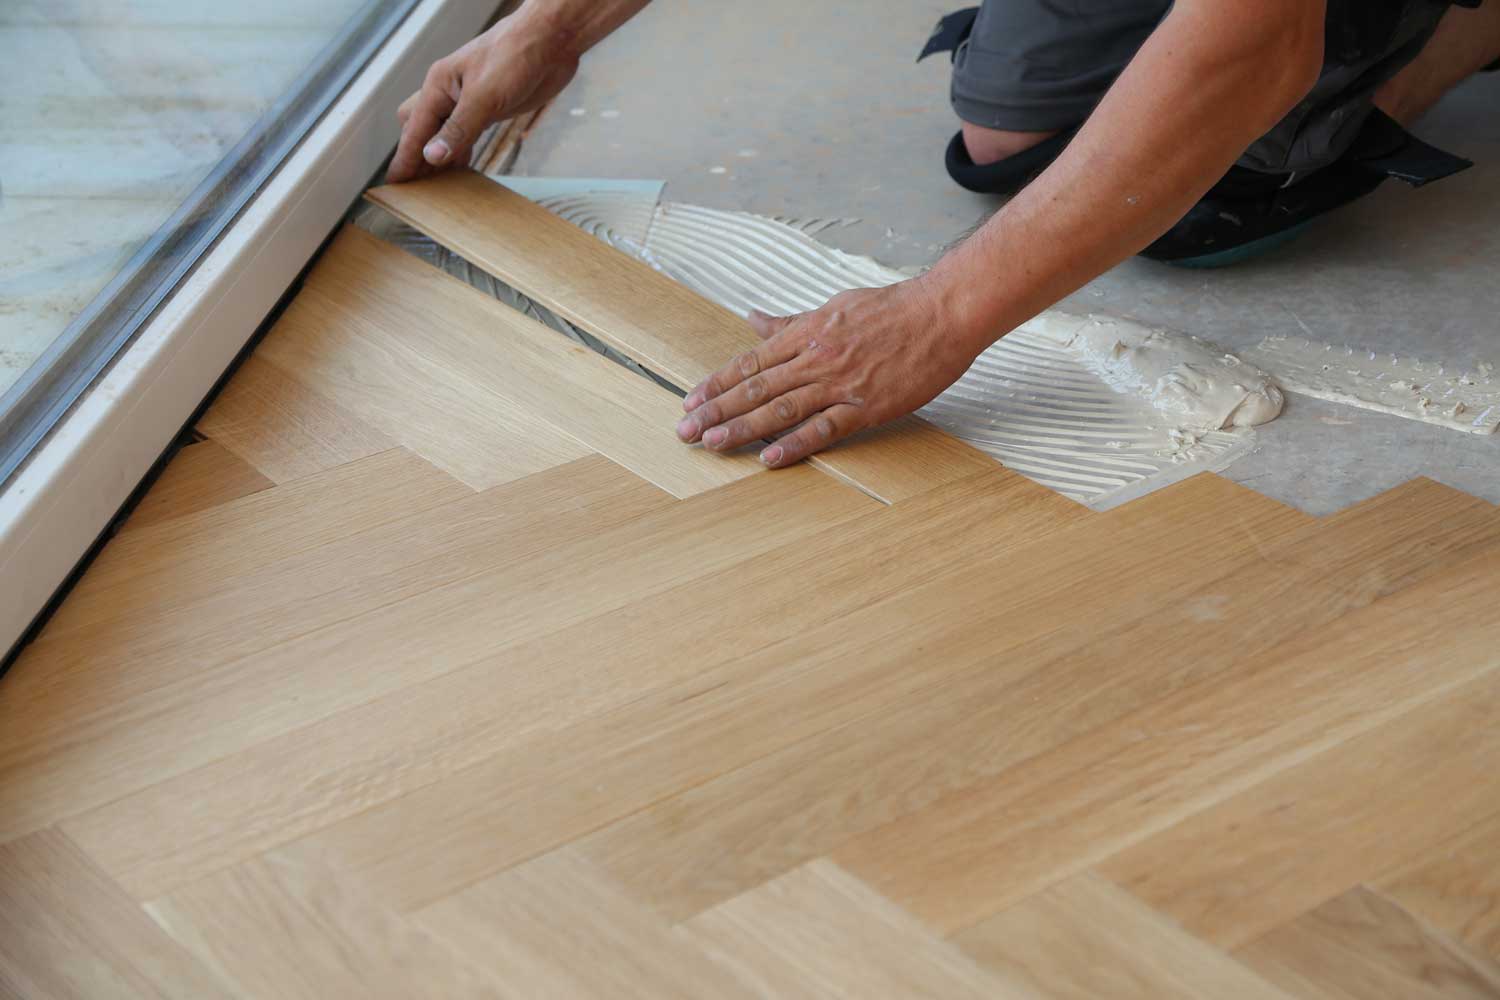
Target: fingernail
[(693, 401), (715, 437), (687, 427), (772, 455), (436, 152)]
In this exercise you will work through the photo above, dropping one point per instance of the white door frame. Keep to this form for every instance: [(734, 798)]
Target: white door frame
[(57, 505)]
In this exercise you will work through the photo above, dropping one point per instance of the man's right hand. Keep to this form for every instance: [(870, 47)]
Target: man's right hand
[(513, 68)]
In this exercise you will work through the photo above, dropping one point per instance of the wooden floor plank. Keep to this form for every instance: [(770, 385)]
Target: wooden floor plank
[(62, 683), (287, 787), (555, 927), (139, 571), (63, 696), (1043, 683), (485, 350), (1086, 938), (277, 929), (67, 932), (983, 849), (1360, 945), (1281, 847), (283, 429), (1456, 886), (668, 328), (396, 646), (819, 932), (472, 434), (726, 712), (201, 475)]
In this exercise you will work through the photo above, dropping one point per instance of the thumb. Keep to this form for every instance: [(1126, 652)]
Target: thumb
[(765, 325), (455, 139)]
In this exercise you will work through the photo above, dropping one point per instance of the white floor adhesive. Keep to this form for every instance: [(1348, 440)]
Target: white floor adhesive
[(1056, 400), (1032, 400), (1407, 387)]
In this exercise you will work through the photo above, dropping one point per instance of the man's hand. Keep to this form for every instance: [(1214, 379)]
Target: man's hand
[(868, 356), (520, 64), (507, 71)]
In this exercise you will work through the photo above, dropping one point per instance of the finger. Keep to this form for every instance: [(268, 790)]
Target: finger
[(782, 413), (742, 399), (765, 325), (429, 109), (833, 424), (763, 357), (403, 111), (456, 138)]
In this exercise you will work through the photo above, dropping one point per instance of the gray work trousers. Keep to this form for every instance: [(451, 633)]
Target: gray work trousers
[(1040, 65)]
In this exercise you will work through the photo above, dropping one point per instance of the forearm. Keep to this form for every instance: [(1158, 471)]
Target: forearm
[(1206, 84), (576, 25)]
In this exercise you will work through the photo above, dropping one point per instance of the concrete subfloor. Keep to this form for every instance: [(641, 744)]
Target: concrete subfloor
[(818, 110)]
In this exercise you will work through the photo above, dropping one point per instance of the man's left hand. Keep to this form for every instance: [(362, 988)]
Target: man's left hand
[(866, 357)]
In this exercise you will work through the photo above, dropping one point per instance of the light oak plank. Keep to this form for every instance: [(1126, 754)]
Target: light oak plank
[(820, 932), (1456, 887), (1257, 859), (1086, 938), (278, 929), (729, 707), (668, 328), (282, 428), (66, 690), (201, 475), (139, 571), (982, 849), (474, 435), (1360, 945), (351, 761), (399, 645), (67, 932), (555, 927), (1046, 678), (484, 347), (67, 697)]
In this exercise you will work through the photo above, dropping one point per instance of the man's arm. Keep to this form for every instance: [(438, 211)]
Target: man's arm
[(515, 67), (1213, 77)]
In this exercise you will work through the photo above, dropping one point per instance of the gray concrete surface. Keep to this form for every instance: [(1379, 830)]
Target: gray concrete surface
[(818, 109)]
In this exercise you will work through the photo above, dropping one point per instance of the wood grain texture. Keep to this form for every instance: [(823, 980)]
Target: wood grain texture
[(993, 644), (1319, 828), (201, 475), (1359, 945), (819, 932), (1456, 887), (1086, 938), (725, 711), (668, 328), (368, 731), (474, 435), (246, 921), (557, 926), (236, 614), (446, 623), (984, 848), (283, 429), (522, 382), (140, 570), (67, 932)]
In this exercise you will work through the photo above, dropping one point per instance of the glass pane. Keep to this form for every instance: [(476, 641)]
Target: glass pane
[(112, 113)]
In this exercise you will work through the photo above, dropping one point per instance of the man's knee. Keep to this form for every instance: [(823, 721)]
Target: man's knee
[(988, 145)]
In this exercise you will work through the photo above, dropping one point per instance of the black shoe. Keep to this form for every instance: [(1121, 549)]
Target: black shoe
[(1249, 213), (1005, 176)]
